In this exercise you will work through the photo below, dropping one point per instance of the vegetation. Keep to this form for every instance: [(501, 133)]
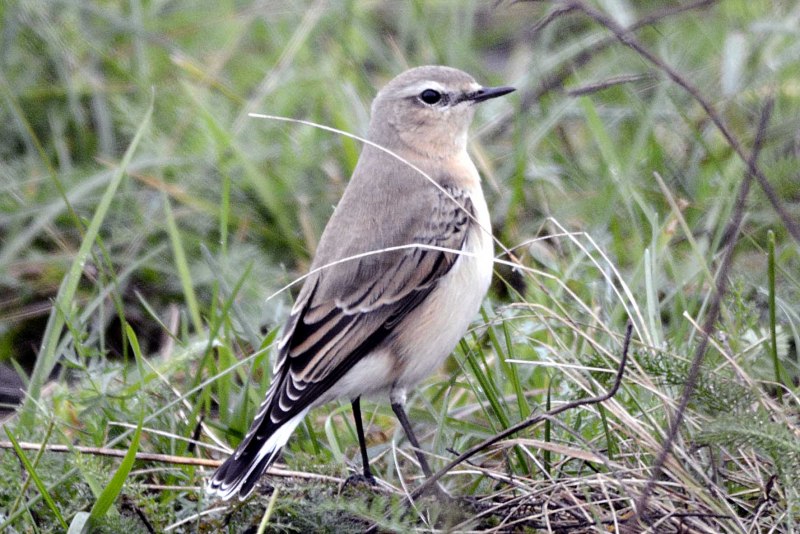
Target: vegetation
[(150, 230)]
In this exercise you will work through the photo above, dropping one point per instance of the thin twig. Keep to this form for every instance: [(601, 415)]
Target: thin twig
[(605, 84), (114, 453), (709, 325), (556, 79), (556, 13), (161, 458)]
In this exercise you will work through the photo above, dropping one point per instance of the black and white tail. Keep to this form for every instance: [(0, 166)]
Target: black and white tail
[(240, 472)]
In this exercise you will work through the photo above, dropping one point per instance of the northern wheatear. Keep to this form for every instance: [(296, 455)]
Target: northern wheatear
[(384, 320)]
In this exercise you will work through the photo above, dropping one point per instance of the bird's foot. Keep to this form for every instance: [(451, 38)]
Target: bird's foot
[(359, 480)]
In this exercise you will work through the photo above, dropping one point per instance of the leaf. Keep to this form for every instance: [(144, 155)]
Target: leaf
[(79, 523)]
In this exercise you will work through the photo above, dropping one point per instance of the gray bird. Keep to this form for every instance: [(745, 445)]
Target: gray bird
[(380, 323)]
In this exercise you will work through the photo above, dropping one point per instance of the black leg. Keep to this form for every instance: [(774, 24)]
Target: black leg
[(398, 410), (356, 404)]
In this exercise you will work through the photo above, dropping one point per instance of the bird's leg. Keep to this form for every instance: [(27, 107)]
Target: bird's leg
[(400, 412), (398, 398), (362, 443)]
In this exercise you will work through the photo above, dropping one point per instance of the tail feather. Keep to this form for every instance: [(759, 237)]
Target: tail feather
[(240, 472)]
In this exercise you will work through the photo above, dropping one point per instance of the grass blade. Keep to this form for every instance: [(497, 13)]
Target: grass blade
[(35, 477), (182, 265), (773, 334), (106, 499)]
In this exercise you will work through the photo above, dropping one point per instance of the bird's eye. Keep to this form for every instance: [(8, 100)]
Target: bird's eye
[(430, 96)]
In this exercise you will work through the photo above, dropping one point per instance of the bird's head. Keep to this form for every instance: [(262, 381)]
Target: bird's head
[(428, 110)]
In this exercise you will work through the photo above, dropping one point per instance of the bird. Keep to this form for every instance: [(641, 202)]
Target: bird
[(400, 271)]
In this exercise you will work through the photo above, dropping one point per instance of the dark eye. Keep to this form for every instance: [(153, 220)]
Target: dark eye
[(430, 96)]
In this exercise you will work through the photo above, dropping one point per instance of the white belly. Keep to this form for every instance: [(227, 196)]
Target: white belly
[(437, 325)]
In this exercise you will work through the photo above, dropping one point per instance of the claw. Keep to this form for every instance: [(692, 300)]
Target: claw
[(359, 479)]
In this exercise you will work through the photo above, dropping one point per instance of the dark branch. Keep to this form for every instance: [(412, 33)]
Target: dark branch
[(712, 316), (532, 420), (556, 79)]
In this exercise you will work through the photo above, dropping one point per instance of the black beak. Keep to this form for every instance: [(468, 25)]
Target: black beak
[(485, 93)]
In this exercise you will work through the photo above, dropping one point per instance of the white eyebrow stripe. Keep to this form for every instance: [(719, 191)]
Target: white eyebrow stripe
[(417, 88)]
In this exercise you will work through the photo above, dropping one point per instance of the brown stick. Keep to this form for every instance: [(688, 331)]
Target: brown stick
[(161, 458)]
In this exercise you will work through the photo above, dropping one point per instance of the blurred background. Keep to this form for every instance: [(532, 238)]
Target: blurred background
[(218, 211)]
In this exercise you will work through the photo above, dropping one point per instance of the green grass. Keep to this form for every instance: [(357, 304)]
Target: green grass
[(143, 212)]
